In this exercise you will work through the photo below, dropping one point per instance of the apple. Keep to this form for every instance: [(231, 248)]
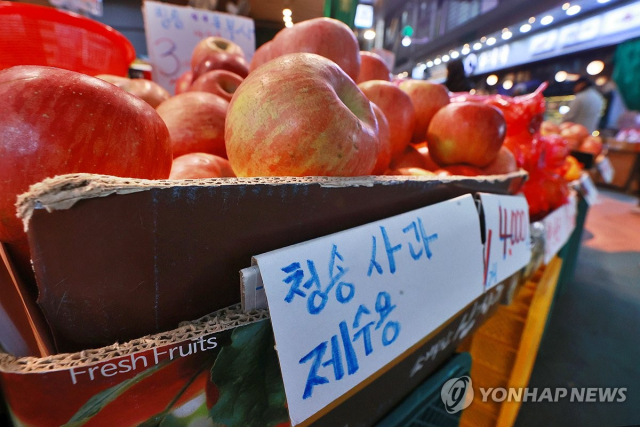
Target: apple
[(196, 123), (212, 46), (55, 122), (396, 106), (466, 132), (565, 125), (372, 67), (261, 55), (299, 115), (503, 164), (222, 61), (114, 80), (592, 144), (150, 92), (410, 171), (549, 128), (384, 142), (429, 164), (219, 82), (183, 82), (200, 165), (427, 99), (323, 36), (574, 131), (411, 158)]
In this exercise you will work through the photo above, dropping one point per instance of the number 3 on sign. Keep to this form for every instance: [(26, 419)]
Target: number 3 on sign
[(169, 63)]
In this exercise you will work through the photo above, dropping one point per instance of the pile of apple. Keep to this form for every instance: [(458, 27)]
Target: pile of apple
[(577, 136)]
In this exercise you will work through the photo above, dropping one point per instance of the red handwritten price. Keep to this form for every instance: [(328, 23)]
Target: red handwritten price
[(514, 228)]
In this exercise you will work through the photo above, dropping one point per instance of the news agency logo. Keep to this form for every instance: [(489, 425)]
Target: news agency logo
[(457, 394)]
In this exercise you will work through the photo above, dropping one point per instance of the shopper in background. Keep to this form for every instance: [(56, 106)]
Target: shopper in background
[(586, 108), (457, 80)]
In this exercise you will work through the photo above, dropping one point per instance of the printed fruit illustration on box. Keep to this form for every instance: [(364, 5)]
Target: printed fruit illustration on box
[(231, 378)]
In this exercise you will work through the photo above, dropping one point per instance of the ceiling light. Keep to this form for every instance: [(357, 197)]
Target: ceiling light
[(603, 1), (406, 41), (546, 20), (566, 6), (369, 35), (595, 67), (595, 133), (492, 80), (491, 41), (525, 28), (506, 35), (286, 12), (288, 24), (573, 10), (507, 84), (564, 109), (437, 61), (561, 76), (465, 49), (532, 20), (287, 19), (429, 64), (477, 46), (483, 39), (454, 54), (472, 92), (445, 58), (600, 81)]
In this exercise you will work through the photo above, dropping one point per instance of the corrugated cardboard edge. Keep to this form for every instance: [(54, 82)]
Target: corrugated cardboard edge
[(216, 322), (63, 191)]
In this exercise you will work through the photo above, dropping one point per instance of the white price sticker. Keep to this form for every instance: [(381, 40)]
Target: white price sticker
[(345, 305), (588, 189), (606, 170), (174, 31), (508, 245)]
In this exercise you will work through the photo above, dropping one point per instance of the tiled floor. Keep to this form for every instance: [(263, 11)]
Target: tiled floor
[(593, 336)]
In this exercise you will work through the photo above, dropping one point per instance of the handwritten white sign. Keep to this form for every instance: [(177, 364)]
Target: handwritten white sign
[(345, 305), (508, 245), (174, 31), (558, 226), (606, 170)]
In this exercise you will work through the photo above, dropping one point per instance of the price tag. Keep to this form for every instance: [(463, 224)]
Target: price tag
[(345, 305), (174, 31), (507, 246), (588, 189), (606, 170), (558, 226)]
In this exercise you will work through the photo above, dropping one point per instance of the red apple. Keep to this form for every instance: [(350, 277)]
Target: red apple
[(56, 121), (183, 82), (298, 115), (429, 164), (261, 55), (196, 123), (565, 125), (200, 165), (372, 67), (575, 131), (384, 142), (411, 158), (549, 128), (212, 46), (396, 106), (503, 164), (219, 82), (427, 99), (222, 61), (466, 132), (114, 80), (592, 144), (323, 36), (150, 92)]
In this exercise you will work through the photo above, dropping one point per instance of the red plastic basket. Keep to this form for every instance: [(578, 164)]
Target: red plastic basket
[(38, 35)]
